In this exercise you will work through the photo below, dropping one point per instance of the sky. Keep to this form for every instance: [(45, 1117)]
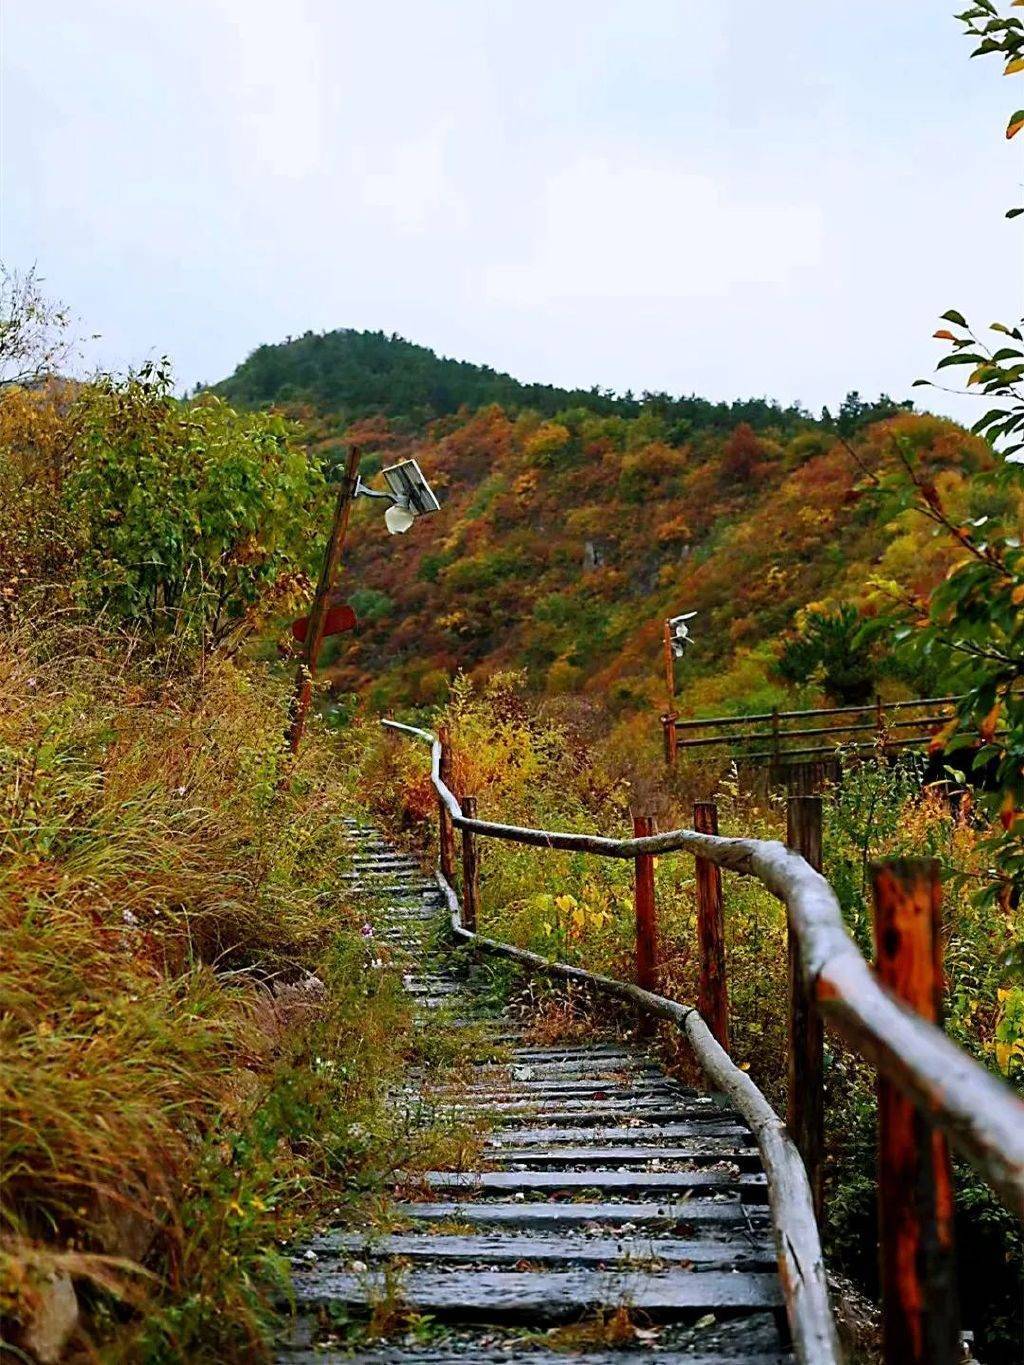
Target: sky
[(722, 198)]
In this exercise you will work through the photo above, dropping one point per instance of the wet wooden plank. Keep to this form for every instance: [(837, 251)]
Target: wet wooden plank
[(669, 1214), (750, 1186), (709, 1149), (544, 1296), (717, 1125), (741, 1249)]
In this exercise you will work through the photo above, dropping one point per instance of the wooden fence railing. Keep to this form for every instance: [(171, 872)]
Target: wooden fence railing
[(930, 1091), (775, 736)]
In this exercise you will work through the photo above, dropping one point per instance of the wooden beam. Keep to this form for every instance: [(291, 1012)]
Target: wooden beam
[(445, 829), (805, 1110), (470, 869), (915, 1177), (645, 911), (713, 991)]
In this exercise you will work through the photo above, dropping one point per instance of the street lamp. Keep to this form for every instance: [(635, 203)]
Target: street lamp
[(410, 496), (675, 638)]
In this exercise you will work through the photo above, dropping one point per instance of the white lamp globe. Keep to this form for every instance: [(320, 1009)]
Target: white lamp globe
[(398, 519)]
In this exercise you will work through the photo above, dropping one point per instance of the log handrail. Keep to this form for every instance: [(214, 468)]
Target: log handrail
[(797, 1243), (980, 1115)]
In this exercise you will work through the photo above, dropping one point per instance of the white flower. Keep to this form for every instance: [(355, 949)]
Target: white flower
[(129, 918)]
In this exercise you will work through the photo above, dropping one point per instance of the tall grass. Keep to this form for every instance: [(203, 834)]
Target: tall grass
[(194, 1042)]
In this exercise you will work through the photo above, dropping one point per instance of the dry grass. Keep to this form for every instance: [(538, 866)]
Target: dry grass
[(178, 1094)]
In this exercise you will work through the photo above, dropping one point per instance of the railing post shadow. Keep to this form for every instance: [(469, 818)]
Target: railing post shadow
[(805, 1111), (915, 1182), (712, 990), (445, 830), (470, 868)]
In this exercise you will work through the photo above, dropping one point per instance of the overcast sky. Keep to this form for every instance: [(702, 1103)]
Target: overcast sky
[(724, 198)]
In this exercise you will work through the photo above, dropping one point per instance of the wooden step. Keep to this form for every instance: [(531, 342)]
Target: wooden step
[(709, 1149), (543, 1296), (742, 1249), (667, 1215), (618, 1183)]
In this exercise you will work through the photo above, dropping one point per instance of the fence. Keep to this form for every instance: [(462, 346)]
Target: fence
[(931, 1094), (768, 738)]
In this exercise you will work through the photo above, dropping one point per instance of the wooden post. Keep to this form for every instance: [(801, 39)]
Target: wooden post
[(670, 666), (915, 1185), (671, 737), (303, 694), (776, 737), (470, 868), (445, 828), (805, 1112), (879, 721), (646, 911), (712, 992)]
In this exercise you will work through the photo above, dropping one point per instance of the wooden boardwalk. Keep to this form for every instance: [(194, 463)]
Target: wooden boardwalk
[(604, 1185)]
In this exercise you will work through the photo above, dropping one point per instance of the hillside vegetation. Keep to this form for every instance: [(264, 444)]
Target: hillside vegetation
[(564, 542)]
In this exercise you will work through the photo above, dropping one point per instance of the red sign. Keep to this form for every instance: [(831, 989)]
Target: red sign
[(338, 619)]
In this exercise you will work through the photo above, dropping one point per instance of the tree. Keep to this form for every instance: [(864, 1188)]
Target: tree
[(34, 331), (832, 648), (972, 628), (190, 517)]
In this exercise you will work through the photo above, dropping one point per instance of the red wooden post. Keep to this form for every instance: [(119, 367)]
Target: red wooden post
[(805, 1112), (671, 737), (646, 912), (470, 868), (713, 992), (445, 829), (915, 1184)]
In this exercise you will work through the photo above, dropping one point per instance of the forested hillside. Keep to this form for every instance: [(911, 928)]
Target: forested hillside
[(563, 543), (353, 374)]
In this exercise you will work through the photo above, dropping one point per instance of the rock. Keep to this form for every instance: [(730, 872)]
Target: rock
[(54, 1319)]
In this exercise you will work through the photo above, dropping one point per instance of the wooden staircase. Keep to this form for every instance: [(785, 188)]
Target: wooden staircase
[(606, 1193)]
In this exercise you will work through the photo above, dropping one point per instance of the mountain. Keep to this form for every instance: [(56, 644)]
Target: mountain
[(356, 374), (574, 522)]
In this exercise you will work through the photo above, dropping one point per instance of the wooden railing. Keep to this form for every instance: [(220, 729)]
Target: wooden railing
[(929, 1089), (769, 737)]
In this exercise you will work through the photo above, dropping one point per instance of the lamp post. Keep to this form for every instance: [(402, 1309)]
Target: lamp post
[(409, 496), (675, 637)]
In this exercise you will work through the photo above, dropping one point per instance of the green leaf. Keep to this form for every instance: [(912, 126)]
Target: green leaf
[(951, 315), (963, 358)]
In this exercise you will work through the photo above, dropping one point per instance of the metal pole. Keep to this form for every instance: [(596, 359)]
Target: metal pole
[(303, 693)]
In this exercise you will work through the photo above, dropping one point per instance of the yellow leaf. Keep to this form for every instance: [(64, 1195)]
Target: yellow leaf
[(987, 728), (1017, 596), (1013, 67), (976, 375), (1014, 128), (565, 902)]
